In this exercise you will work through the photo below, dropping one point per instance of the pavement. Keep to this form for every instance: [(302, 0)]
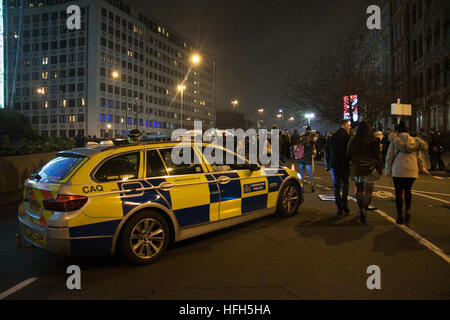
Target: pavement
[(7, 198), (313, 255)]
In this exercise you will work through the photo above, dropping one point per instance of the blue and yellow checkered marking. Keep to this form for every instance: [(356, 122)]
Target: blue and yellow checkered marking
[(209, 202)]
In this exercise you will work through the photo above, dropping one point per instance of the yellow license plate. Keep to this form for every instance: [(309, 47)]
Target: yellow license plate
[(35, 237)]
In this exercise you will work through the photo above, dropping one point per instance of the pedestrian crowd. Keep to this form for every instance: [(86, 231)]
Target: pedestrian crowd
[(361, 155)]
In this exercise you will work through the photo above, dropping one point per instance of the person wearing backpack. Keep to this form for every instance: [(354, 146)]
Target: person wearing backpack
[(337, 164), (404, 162)]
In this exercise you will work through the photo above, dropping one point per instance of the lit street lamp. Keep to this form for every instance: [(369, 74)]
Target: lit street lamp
[(234, 103), (309, 116), (260, 110), (115, 74), (181, 88), (196, 59)]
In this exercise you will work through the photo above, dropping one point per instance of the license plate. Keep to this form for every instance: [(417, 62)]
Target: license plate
[(34, 207), (35, 237)]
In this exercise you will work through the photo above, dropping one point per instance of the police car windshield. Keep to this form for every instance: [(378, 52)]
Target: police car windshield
[(58, 168)]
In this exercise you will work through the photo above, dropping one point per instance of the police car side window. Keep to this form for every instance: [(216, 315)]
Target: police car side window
[(218, 160), (119, 168), (184, 168), (155, 166)]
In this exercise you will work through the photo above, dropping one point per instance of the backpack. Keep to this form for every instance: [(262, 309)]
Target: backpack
[(299, 152)]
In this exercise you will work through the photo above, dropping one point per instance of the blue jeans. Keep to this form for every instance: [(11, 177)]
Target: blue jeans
[(301, 168), (340, 181)]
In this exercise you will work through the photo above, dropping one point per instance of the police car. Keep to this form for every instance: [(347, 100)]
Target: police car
[(133, 200)]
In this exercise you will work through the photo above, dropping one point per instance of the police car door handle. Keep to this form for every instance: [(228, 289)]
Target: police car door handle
[(223, 179), (166, 186)]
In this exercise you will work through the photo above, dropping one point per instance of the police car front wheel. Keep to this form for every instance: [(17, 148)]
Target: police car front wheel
[(289, 199), (145, 237)]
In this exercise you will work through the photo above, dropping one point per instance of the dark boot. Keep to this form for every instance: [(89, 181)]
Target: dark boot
[(407, 216), (362, 216), (399, 218)]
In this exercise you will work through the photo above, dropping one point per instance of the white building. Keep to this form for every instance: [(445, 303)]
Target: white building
[(119, 72)]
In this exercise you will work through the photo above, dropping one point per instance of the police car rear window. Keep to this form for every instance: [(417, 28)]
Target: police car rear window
[(58, 168)]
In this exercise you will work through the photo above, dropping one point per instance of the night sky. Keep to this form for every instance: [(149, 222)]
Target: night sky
[(258, 42)]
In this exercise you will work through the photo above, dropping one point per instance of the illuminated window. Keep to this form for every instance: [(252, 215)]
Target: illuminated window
[(45, 60), (72, 118), (44, 75)]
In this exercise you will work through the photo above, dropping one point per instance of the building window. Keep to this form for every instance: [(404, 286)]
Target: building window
[(81, 102), (71, 133)]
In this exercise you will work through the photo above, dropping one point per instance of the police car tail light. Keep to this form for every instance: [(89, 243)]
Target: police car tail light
[(65, 203)]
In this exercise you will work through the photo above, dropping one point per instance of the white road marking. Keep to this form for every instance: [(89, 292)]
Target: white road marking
[(421, 191), (417, 237), (424, 242), (423, 195), (16, 288)]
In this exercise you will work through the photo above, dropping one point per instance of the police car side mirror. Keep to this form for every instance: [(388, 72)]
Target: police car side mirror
[(254, 167)]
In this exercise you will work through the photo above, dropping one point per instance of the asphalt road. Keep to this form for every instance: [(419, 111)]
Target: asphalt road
[(314, 255)]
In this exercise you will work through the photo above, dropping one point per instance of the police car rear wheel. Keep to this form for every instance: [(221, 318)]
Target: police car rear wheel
[(289, 199), (145, 237)]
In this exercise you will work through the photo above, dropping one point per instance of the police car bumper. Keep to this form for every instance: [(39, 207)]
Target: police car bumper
[(56, 240)]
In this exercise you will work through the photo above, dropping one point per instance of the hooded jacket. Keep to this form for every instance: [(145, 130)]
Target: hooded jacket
[(404, 157)]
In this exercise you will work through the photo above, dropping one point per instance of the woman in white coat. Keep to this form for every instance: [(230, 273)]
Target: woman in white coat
[(404, 162)]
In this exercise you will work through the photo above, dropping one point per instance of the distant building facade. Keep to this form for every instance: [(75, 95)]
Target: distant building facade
[(119, 72), (413, 47), (420, 42)]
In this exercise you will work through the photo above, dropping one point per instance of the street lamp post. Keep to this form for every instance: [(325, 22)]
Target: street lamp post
[(196, 59), (181, 88), (137, 112), (116, 75)]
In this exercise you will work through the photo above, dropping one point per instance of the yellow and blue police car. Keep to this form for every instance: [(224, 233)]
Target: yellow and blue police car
[(134, 200)]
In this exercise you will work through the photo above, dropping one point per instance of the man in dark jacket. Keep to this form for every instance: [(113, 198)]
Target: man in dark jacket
[(339, 165), (295, 138)]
